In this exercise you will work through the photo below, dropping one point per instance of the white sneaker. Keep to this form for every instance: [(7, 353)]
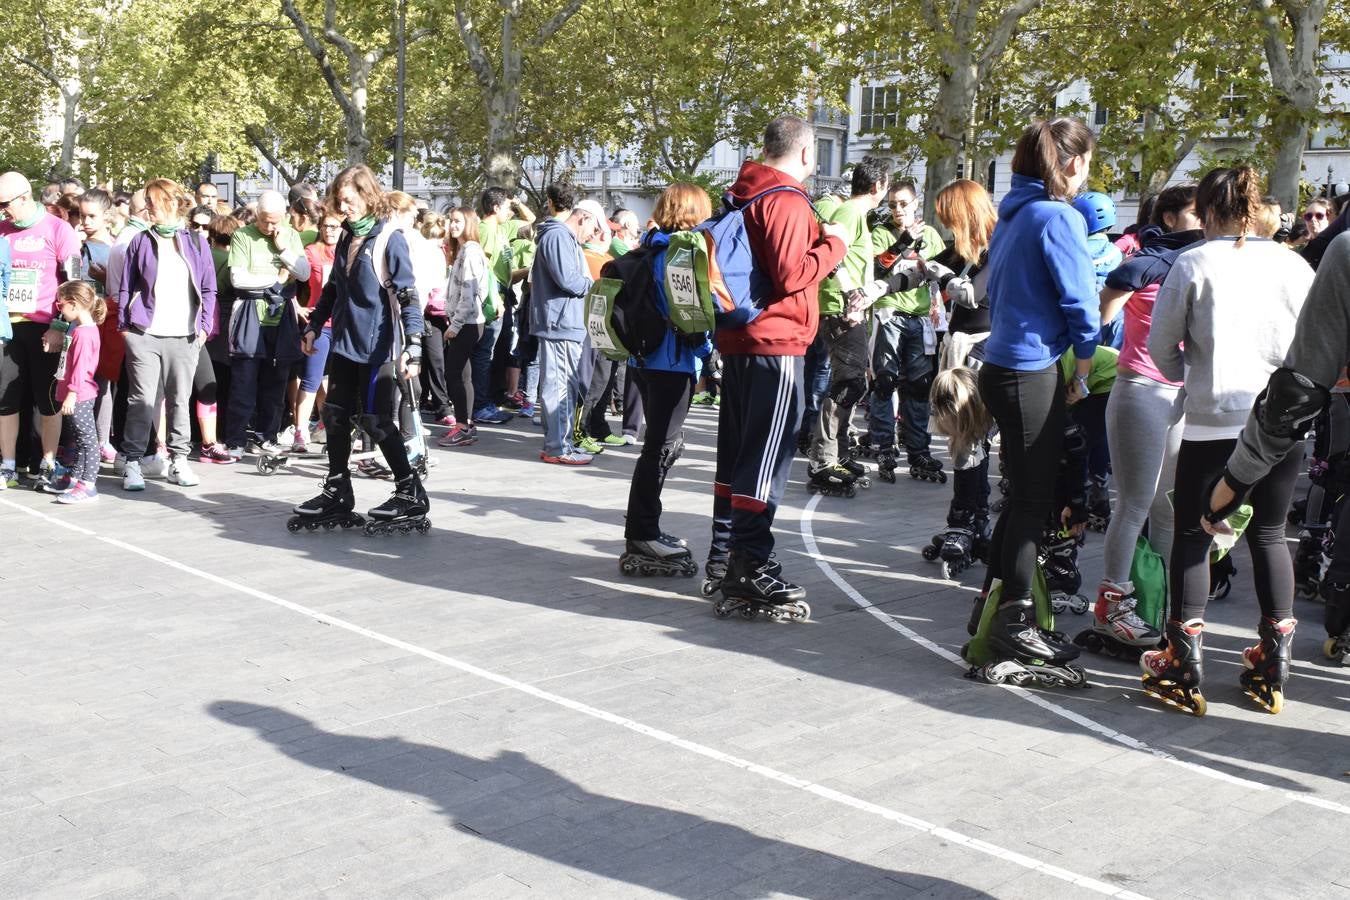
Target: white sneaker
[(132, 480), (153, 466), (236, 453), (120, 464), (179, 473)]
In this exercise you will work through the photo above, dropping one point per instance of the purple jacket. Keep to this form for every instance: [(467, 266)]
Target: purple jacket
[(136, 293)]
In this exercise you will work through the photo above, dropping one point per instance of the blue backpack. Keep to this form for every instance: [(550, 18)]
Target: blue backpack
[(716, 257)]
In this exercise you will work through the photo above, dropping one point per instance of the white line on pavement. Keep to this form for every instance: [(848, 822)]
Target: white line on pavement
[(883, 812), (809, 539)]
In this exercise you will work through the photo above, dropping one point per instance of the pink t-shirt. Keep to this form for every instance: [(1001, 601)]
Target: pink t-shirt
[(38, 253), (1138, 321), (81, 361)]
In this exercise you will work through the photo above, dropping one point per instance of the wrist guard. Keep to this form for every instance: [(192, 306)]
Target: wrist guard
[(1240, 492)]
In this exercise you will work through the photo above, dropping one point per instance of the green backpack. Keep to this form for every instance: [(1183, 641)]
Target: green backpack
[(600, 319), (689, 295)]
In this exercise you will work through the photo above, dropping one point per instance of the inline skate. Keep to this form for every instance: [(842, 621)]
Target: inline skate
[(1059, 559), (1026, 654), (1309, 560), (964, 543), (661, 556), (714, 571), (751, 586), (1174, 675), (866, 449), (405, 511), (833, 481), (1117, 630), (330, 509), (1267, 663), (922, 467), (1099, 506), (271, 455), (888, 461), (1337, 645), (861, 473)]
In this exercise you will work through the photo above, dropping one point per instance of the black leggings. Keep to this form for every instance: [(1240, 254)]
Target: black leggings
[(433, 364), (1198, 465), (459, 370), (665, 397), (1030, 411), (370, 393), (204, 381)]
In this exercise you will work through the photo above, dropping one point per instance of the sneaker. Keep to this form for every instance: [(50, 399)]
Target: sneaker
[(61, 483), (536, 418), (132, 479), (119, 464), (446, 421), (216, 454), (235, 453), (568, 459), (589, 446), (613, 440), (180, 474), (108, 454), (80, 492), (8, 479), (154, 466), (318, 434), (514, 403), (459, 436), (48, 478), (287, 435), (629, 439), (298, 445), (492, 416), (702, 398)]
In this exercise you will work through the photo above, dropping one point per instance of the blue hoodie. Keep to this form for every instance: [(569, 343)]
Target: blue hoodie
[(559, 283), (1042, 288)]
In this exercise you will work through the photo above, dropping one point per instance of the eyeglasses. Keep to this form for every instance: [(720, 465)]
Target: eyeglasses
[(1314, 216), (4, 204)]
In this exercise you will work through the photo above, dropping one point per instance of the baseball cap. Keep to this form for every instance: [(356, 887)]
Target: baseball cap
[(592, 209)]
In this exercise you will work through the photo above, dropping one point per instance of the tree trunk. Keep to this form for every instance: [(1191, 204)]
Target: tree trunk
[(71, 126), (949, 120), (358, 144), (1290, 137)]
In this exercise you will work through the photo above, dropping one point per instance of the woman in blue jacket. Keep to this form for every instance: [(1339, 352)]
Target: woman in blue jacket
[(1042, 301), (665, 379), (372, 306)]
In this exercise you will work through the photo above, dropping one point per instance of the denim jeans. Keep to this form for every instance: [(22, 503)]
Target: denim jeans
[(559, 386), (900, 363), (481, 360)]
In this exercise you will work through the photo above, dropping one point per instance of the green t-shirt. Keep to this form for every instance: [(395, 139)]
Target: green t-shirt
[(496, 240), (856, 269), (252, 252), (522, 253), (617, 248), (309, 236), (1102, 375), (917, 301), (827, 206)]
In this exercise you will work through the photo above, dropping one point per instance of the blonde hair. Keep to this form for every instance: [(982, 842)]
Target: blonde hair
[(164, 194), (399, 202), (965, 208), (956, 410), (433, 227), (82, 294)]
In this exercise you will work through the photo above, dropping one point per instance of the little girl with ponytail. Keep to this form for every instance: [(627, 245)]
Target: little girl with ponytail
[(76, 388)]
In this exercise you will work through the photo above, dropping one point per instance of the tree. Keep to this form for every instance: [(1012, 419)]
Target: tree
[(522, 27), (359, 40)]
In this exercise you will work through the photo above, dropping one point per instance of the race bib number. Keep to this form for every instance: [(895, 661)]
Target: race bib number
[(23, 291), (682, 289), (598, 307)]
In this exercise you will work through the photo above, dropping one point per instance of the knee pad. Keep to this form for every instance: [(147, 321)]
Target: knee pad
[(378, 427), (1289, 404), (848, 391), (670, 454), (885, 383)]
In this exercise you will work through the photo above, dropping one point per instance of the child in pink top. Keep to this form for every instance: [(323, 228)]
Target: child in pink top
[(76, 388)]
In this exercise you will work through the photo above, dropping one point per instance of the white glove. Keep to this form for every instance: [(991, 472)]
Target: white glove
[(961, 291), (937, 272)]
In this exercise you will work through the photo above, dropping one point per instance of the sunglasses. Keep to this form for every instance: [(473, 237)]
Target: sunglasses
[(200, 226), (1314, 216), (4, 204)]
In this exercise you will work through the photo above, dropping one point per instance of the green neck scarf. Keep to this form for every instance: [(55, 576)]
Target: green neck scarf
[(31, 221), (165, 231), (362, 226), (137, 224)]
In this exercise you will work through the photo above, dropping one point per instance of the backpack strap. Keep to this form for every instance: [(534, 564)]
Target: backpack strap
[(730, 202)]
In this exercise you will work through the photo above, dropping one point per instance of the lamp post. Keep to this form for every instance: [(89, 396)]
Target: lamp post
[(400, 39)]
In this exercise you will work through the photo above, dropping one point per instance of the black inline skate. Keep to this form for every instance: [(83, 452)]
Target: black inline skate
[(1337, 645), (963, 543), (1174, 675), (662, 556), (1026, 654), (1099, 506), (271, 455), (922, 467), (888, 461), (861, 473), (833, 481), (330, 509), (751, 586), (405, 511), (1267, 663), (1117, 630), (866, 449), (1059, 560), (1309, 561)]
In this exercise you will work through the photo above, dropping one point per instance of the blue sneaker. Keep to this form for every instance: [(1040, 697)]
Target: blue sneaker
[(491, 415)]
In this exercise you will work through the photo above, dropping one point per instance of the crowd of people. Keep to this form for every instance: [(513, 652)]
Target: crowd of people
[(1147, 383)]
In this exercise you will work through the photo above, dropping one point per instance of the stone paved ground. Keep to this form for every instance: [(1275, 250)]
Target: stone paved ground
[(200, 704)]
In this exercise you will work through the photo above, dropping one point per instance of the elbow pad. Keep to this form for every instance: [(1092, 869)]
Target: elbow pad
[(1288, 405), (906, 275)]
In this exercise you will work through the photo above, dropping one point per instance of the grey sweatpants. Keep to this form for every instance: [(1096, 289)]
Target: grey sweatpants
[(155, 365), (1143, 427)]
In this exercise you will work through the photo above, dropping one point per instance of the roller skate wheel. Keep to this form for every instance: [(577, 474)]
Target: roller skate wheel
[(802, 610), (293, 526), (947, 570), (851, 490), (1331, 649), (424, 526), (748, 611), (262, 466), (1074, 676), (864, 482), (942, 477), (371, 529), (931, 553), (1089, 640), (627, 566), (689, 568), (708, 588), (329, 526), (1078, 604)]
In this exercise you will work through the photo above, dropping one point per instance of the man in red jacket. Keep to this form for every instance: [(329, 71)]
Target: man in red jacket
[(762, 399)]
